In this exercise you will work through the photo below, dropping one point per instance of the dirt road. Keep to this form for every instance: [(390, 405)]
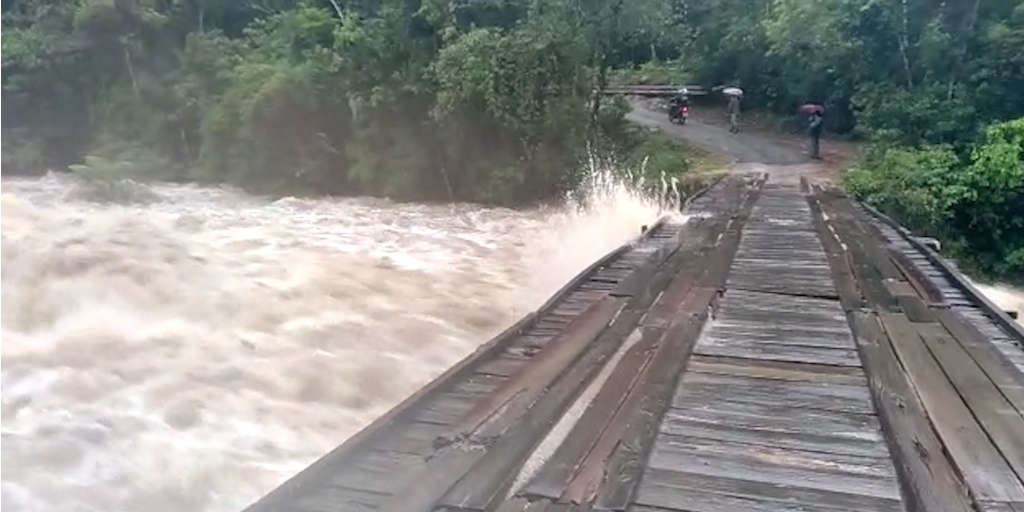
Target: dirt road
[(784, 158), (742, 147)]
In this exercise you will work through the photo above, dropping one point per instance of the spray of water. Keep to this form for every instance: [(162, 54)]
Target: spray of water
[(192, 350)]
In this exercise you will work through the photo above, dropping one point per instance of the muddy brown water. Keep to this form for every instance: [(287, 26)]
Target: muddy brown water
[(193, 351)]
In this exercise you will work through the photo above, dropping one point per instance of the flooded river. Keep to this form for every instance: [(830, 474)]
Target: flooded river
[(192, 352)]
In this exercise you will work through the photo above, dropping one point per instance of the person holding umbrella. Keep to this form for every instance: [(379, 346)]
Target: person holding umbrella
[(814, 127), (734, 94)]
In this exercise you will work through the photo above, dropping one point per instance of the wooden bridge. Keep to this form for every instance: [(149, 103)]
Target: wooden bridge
[(784, 349), (654, 90)]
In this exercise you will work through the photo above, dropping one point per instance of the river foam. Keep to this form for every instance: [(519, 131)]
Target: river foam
[(193, 350)]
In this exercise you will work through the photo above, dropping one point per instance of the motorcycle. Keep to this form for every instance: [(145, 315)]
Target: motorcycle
[(678, 114)]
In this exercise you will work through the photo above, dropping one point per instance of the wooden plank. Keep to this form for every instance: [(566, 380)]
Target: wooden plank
[(445, 408), (650, 394), (984, 469), (897, 288), (523, 388), (868, 276), (621, 453), (928, 479), (841, 398), (551, 479), (670, 489), (953, 274), (781, 467), (915, 309), (1002, 422), (923, 286), (501, 366), (779, 352), (821, 440), (995, 364), (779, 370), (1001, 506), (850, 296), (372, 473), (778, 418), (726, 332), (490, 478), (767, 306), (485, 483), (332, 499)]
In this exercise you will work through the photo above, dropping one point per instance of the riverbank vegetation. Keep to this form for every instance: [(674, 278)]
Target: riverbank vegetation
[(476, 100), (495, 101), (933, 88)]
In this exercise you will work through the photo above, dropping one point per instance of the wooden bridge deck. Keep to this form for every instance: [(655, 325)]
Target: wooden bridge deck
[(782, 350)]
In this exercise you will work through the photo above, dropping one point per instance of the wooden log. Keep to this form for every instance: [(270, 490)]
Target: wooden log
[(986, 472), (997, 416), (928, 480), (995, 364), (521, 390)]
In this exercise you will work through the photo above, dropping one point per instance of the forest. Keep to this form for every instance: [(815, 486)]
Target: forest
[(499, 100)]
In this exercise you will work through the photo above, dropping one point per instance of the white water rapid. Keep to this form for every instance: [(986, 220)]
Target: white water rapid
[(192, 352)]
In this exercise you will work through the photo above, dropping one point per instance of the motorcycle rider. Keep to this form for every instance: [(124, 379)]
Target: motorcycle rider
[(679, 100)]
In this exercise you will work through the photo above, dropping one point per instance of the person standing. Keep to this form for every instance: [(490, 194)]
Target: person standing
[(814, 129), (734, 113)]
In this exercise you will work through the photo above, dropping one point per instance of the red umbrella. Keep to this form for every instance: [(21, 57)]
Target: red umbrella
[(812, 107)]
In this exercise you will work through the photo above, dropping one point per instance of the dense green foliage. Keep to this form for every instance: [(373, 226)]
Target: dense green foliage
[(916, 71), (974, 200), (494, 100), (919, 79), (479, 99)]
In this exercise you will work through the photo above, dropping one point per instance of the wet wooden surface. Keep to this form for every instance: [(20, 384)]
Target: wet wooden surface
[(790, 351)]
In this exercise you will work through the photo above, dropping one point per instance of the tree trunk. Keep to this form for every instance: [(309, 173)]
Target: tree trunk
[(904, 42), (131, 72), (337, 9), (972, 19), (602, 83)]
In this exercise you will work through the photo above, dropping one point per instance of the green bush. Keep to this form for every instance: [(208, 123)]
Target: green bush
[(975, 203)]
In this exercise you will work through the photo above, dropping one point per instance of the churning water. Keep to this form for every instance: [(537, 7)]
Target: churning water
[(192, 351)]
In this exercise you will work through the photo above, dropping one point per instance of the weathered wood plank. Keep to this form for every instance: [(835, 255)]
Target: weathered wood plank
[(929, 481), (1001, 506), (523, 388), (1002, 422), (778, 418), (984, 469), (779, 352), (554, 475), (726, 332), (863, 262), (820, 441), (699, 493), (373, 472), (915, 309), (779, 370), (490, 478), (998, 368), (646, 401), (897, 288), (770, 393), (924, 286), (621, 456), (332, 499), (782, 467), (501, 366)]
